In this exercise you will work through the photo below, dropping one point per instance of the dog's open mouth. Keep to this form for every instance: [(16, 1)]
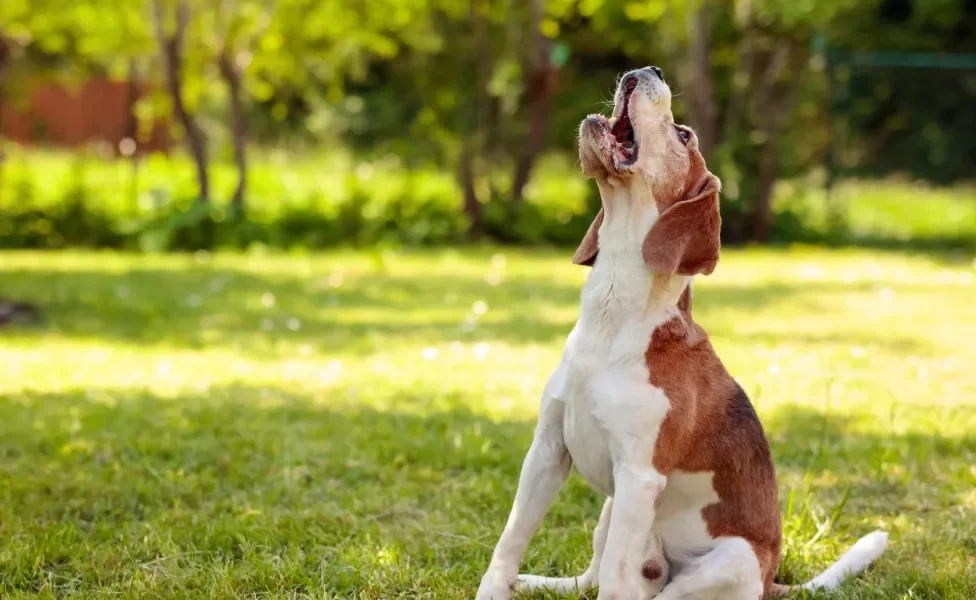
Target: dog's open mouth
[(622, 130)]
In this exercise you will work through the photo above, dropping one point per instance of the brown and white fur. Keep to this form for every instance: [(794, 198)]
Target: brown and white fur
[(640, 403)]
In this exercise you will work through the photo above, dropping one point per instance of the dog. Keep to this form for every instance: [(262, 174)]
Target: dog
[(640, 403)]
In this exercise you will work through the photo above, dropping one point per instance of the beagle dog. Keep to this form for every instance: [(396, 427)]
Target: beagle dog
[(640, 403)]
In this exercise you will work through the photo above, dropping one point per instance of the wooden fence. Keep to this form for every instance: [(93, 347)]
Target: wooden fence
[(99, 110)]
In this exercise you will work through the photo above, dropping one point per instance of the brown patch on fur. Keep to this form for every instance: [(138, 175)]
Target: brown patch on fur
[(711, 426), (652, 570), (687, 236), (681, 172)]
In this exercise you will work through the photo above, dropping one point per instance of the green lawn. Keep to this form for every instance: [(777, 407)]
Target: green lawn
[(352, 425)]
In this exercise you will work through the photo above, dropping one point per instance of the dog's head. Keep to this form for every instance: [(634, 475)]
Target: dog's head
[(641, 145)]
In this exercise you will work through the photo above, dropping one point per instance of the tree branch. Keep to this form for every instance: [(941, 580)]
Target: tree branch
[(231, 74), (171, 55)]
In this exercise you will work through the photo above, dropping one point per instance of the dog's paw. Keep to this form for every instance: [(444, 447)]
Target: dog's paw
[(495, 586)]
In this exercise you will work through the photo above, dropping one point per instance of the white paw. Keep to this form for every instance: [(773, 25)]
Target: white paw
[(496, 587)]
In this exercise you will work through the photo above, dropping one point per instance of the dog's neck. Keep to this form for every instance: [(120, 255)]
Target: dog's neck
[(621, 286)]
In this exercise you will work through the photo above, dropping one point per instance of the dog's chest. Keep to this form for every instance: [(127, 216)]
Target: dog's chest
[(611, 408)]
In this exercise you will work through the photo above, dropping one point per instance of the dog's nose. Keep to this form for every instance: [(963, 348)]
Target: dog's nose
[(657, 71)]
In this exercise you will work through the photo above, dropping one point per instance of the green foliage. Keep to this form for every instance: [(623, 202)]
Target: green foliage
[(99, 34), (420, 80), (53, 202), (351, 425), (894, 136), (56, 201)]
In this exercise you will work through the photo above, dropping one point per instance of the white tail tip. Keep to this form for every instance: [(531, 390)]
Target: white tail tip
[(867, 550), (873, 544)]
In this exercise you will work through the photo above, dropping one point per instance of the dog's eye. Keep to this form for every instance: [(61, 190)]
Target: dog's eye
[(684, 135)]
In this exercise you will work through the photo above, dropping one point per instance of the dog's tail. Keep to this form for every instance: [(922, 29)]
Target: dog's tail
[(863, 553)]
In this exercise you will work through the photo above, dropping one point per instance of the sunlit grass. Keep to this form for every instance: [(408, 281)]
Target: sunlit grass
[(885, 213), (351, 425)]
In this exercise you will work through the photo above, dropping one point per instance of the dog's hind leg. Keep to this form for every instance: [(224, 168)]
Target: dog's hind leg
[(589, 578), (730, 571)]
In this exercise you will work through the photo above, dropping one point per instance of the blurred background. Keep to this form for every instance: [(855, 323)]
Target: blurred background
[(164, 124), (281, 281)]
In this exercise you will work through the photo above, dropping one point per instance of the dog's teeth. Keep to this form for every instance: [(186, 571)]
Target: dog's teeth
[(612, 121)]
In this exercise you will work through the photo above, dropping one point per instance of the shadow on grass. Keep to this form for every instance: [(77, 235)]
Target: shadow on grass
[(208, 306), (809, 442), (101, 485)]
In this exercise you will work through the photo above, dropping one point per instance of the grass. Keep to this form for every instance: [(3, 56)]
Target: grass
[(887, 213), (351, 425)]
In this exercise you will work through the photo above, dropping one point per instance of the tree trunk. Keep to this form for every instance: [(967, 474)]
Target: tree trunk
[(472, 135), (472, 208), (128, 146), (171, 53), (5, 53), (541, 86), (4, 60), (698, 81), (775, 100), (131, 128), (768, 173), (238, 127)]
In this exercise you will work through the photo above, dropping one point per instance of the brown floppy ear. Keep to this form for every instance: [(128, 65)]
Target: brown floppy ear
[(586, 253), (685, 240)]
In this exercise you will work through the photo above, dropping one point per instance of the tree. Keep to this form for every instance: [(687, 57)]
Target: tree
[(236, 32), (231, 66), (6, 53), (772, 56), (481, 100), (541, 85), (170, 28)]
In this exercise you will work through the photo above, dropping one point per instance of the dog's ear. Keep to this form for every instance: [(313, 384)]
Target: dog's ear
[(586, 253), (685, 240)]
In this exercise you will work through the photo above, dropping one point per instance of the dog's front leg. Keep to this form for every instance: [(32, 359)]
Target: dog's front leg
[(633, 567), (544, 470)]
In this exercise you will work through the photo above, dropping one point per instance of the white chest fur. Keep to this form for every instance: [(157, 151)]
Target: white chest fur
[(610, 405)]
